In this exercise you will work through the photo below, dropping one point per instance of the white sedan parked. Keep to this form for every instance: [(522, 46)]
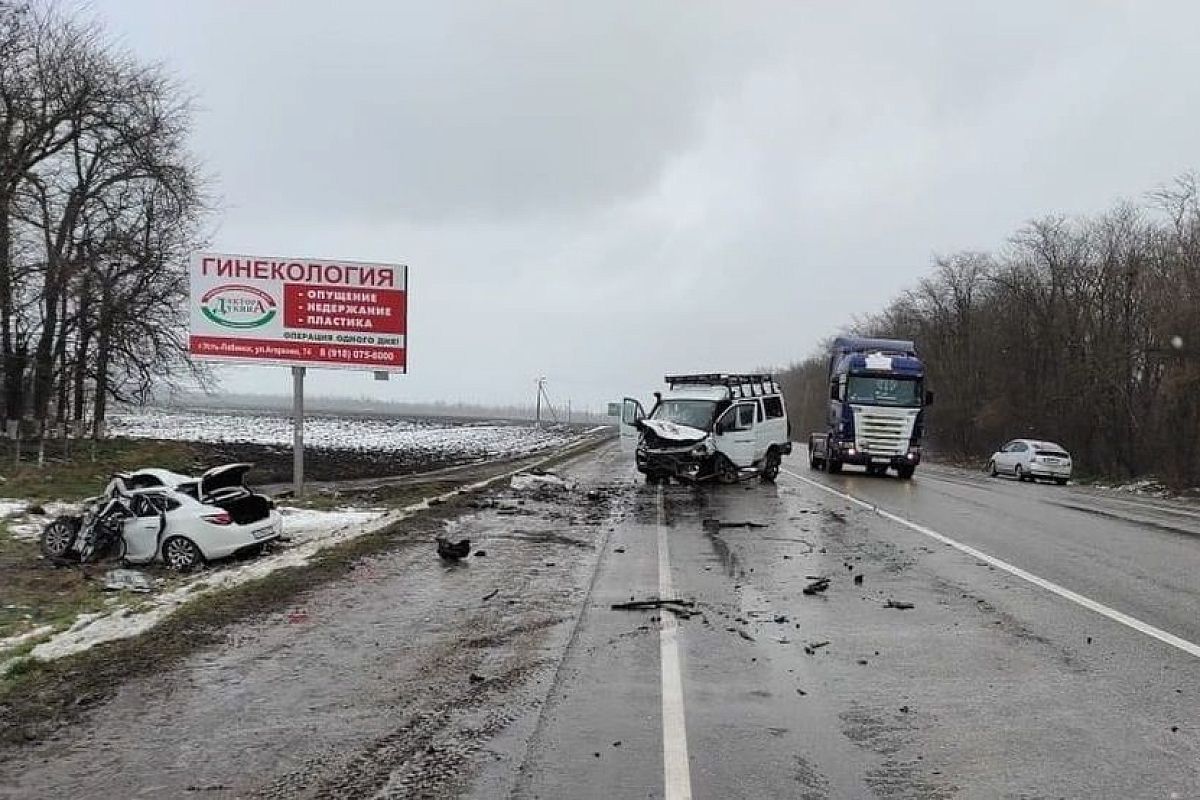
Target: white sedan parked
[(1031, 460)]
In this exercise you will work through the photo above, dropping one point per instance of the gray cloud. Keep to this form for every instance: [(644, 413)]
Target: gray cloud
[(602, 192)]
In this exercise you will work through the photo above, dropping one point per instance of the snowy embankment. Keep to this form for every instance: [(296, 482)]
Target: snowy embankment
[(467, 440)]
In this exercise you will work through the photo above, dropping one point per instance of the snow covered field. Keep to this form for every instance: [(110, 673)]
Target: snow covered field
[(466, 440)]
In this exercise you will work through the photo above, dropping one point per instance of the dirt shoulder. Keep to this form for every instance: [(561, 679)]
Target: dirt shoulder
[(37, 698)]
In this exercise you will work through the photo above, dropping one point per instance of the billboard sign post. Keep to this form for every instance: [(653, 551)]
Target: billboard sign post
[(298, 312)]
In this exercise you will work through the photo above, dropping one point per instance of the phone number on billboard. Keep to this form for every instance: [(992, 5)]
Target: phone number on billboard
[(358, 355)]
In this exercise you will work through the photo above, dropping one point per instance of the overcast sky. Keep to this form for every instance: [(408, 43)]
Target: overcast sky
[(602, 192)]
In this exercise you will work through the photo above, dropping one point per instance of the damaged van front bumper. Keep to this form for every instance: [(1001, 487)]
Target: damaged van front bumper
[(693, 463)]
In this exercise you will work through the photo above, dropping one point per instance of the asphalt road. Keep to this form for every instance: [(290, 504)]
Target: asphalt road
[(1051, 650)]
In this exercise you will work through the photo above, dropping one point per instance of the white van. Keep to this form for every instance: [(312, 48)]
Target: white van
[(711, 426)]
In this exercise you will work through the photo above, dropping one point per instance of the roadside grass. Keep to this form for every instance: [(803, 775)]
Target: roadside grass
[(81, 476), (34, 593)]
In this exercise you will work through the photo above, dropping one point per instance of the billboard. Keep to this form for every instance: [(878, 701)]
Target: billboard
[(299, 312)]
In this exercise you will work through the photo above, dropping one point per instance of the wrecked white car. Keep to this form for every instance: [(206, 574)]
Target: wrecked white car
[(711, 426), (154, 514)]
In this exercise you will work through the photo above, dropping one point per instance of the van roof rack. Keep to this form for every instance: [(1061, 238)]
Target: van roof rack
[(740, 385)]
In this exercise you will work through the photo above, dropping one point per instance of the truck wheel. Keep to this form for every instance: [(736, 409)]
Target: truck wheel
[(725, 470), (877, 472), (905, 472), (770, 469), (833, 466)]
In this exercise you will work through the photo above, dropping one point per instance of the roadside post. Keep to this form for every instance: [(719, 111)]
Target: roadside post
[(298, 313)]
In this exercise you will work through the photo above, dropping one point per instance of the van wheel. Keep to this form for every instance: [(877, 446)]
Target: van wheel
[(725, 471), (181, 555), (770, 469)]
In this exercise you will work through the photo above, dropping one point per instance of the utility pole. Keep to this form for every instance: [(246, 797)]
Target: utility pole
[(538, 417)]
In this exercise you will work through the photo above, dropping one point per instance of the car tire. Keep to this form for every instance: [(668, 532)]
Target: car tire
[(1019, 473), (770, 468), (991, 469), (876, 472), (724, 469), (58, 538), (905, 472), (1061, 481), (181, 554)]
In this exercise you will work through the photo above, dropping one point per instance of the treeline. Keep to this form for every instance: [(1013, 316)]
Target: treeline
[(1081, 330), (100, 202)]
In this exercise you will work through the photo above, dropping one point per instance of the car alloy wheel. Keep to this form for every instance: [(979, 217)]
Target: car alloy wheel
[(181, 554), (58, 537)]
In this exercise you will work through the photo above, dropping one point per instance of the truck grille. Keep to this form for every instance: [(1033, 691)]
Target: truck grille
[(882, 435)]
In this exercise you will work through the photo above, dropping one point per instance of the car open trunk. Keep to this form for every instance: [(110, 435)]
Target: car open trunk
[(225, 488)]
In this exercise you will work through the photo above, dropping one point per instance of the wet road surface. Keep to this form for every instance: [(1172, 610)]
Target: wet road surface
[(511, 676)]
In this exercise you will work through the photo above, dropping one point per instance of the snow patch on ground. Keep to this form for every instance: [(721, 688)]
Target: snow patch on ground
[(528, 482), (24, 526), (466, 440)]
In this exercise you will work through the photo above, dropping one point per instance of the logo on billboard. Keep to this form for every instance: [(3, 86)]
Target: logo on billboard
[(238, 306)]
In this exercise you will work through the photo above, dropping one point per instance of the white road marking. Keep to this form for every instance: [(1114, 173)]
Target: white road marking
[(677, 780), (1088, 603)]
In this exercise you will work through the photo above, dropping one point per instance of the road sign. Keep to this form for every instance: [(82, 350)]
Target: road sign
[(299, 312)]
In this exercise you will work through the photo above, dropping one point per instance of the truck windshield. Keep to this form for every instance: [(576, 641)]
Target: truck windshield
[(883, 391), (693, 413)]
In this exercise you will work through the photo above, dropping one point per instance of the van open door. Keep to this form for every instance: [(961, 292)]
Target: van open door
[(631, 413)]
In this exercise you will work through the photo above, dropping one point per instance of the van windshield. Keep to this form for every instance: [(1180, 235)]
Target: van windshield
[(884, 391), (693, 413)]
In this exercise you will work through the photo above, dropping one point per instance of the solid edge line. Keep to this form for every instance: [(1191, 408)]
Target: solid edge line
[(1063, 592), (677, 780)]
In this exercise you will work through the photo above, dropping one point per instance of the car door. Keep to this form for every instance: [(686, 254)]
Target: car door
[(141, 530), (631, 413), (736, 434), (1021, 456), (1004, 458)]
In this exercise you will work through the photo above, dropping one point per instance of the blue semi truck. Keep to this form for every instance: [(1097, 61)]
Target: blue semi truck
[(876, 409)]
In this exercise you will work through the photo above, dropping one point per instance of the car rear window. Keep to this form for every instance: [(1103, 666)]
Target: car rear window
[(1053, 453)]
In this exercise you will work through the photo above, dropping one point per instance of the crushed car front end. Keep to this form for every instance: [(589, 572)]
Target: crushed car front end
[(666, 450)]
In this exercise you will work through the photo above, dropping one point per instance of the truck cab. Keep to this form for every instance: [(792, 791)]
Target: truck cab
[(876, 410), (712, 426)]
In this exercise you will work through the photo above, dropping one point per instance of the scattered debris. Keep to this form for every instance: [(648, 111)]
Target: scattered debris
[(862, 662), (780, 619), (801, 692), (837, 517), (475, 677), (858, 579), (297, 616), (130, 580), (904, 709), (36, 510), (1089, 640), (900, 604), (811, 649), (817, 586), (453, 551), (742, 633), (716, 524), (540, 481), (680, 608), (480, 554), (594, 495), (618, 549), (490, 595), (617, 743)]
